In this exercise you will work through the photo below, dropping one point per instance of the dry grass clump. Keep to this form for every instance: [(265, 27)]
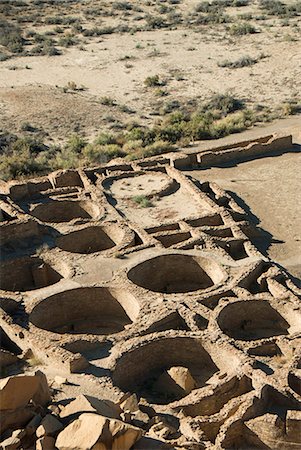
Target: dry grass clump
[(244, 61)]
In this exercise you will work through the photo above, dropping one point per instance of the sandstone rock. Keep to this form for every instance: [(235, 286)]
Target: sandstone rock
[(269, 429), (7, 358), (33, 424), (129, 403), (162, 430), (97, 432), (14, 441), (140, 419), (126, 416), (45, 443), (182, 377), (176, 381), (17, 391), (15, 418), (60, 380), (123, 435), (148, 443), (190, 428), (86, 403), (42, 396), (293, 426), (54, 409), (50, 426), (294, 380)]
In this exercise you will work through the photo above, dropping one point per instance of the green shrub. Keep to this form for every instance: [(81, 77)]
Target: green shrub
[(105, 139), (240, 29), (108, 101), (153, 81), (157, 148), (142, 201), (155, 22), (67, 41), (66, 158), (97, 153), (76, 143), (224, 103), (277, 8), (11, 37)]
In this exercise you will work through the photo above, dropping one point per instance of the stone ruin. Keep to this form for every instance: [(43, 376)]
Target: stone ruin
[(189, 334)]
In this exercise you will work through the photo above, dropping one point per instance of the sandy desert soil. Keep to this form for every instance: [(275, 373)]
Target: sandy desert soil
[(63, 94)]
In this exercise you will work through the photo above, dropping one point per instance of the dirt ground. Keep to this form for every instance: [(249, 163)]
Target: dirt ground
[(187, 57)]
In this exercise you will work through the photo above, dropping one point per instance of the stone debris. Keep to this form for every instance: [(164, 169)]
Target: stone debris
[(86, 403), (45, 443), (16, 392), (97, 432), (49, 426)]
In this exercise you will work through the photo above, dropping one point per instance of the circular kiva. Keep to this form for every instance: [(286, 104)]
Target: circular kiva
[(56, 211), (176, 273), (251, 319), (92, 310), (27, 273), (145, 184), (91, 239), (155, 369)]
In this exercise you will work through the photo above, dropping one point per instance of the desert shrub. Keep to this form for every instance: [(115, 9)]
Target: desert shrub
[(4, 56), (14, 166), (122, 6), (231, 124), (244, 61), (132, 147), (169, 132), (44, 49), (102, 153), (224, 103), (26, 126), (105, 139), (23, 157), (213, 18), (65, 158), (291, 108), (155, 22), (135, 133), (241, 29), (170, 106), (97, 31), (142, 201), (11, 37), (75, 143), (153, 81), (277, 8), (38, 38), (157, 148), (61, 20), (68, 40), (108, 101)]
